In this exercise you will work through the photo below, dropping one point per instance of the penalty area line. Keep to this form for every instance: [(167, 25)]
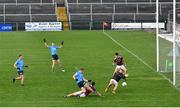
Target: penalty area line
[(146, 64)]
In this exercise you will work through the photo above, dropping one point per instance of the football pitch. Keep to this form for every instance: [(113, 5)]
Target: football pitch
[(92, 50)]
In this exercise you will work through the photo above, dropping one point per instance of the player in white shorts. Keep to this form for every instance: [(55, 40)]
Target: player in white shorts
[(119, 74)]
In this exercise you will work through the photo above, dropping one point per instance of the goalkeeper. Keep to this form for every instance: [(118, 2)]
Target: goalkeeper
[(55, 59)]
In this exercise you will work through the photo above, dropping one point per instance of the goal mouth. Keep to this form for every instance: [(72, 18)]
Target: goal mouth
[(168, 44)]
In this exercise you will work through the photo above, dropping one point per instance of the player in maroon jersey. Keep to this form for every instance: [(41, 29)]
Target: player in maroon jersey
[(119, 74), (86, 93), (118, 61)]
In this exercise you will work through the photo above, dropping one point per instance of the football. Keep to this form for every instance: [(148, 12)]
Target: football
[(124, 84)]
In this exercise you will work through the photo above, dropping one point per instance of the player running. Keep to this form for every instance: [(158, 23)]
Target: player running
[(81, 81), (19, 65), (55, 59), (119, 74), (119, 62), (82, 94)]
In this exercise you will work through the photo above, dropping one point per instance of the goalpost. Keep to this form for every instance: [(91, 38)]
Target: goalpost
[(168, 44)]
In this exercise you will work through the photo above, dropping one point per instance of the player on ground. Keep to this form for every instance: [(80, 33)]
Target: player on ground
[(19, 65), (119, 74), (82, 94), (55, 58), (118, 61), (81, 81)]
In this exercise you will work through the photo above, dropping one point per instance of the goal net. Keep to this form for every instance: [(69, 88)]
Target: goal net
[(168, 45)]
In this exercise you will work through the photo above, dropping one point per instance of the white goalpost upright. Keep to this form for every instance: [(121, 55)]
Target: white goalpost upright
[(157, 33), (174, 42)]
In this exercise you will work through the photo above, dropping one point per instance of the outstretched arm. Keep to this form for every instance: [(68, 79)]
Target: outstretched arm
[(46, 45), (62, 43)]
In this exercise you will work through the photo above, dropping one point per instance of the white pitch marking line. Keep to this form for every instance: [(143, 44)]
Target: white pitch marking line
[(126, 49)]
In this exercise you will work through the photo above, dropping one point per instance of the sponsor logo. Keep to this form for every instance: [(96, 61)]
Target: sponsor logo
[(6, 27), (43, 26)]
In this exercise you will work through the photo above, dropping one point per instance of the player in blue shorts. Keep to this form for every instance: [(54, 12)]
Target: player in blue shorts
[(19, 65), (81, 81), (55, 59)]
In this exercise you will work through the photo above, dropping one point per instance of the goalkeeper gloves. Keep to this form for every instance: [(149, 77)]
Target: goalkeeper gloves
[(62, 42), (44, 40)]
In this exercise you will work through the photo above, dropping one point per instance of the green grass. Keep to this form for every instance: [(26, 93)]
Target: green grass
[(91, 50)]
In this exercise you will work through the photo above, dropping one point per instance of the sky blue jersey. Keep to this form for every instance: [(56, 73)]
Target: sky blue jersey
[(79, 77), (20, 64), (53, 49)]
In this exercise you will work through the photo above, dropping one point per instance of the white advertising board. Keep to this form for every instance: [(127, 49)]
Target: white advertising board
[(43, 26), (152, 25), (125, 25)]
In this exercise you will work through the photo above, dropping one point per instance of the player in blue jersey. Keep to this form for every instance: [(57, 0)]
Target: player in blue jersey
[(55, 59), (19, 65), (81, 81)]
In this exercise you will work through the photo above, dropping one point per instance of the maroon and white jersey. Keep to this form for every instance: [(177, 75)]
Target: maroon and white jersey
[(88, 91), (118, 60)]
